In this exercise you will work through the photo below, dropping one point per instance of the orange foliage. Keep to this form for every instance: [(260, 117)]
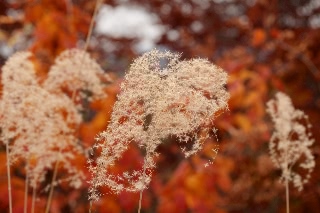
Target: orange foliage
[(262, 54), (258, 37)]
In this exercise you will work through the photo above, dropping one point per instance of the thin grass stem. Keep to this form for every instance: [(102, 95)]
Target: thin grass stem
[(287, 195), (26, 187), (55, 172), (33, 198), (90, 207), (98, 2), (9, 178), (141, 191)]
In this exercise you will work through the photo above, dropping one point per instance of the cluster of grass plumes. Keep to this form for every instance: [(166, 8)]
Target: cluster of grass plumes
[(161, 96), (290, 142), (39, 122)]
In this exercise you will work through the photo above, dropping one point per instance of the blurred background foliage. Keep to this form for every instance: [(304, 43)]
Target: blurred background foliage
[(264, 45)]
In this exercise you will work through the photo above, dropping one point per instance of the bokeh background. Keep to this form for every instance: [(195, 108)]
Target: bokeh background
[(265, 45)]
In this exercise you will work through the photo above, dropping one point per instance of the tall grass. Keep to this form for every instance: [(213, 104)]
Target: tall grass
[(290, 143)]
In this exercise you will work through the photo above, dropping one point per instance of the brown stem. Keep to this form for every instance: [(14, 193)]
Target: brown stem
[(287, 174), (90, 206), (26, 187), (91, 24), (33, 198), (55, 172), (287, 194), (9, 178), (141, 191)]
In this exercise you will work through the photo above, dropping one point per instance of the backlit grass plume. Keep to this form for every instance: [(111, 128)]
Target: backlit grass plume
[(39, 122), (75, 73), (161, 96), (36, 126), (290, 143)]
